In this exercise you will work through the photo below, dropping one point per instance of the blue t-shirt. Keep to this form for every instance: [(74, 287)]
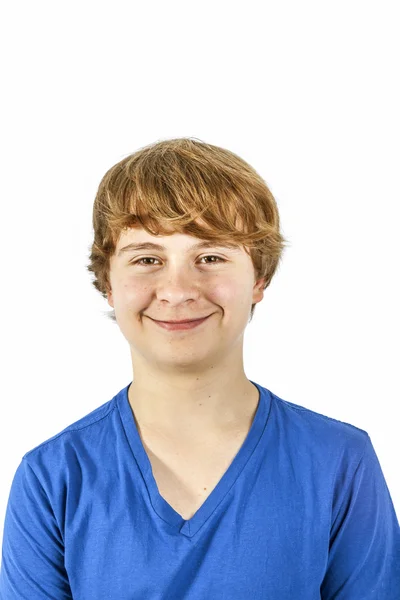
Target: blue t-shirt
[(303, 512)]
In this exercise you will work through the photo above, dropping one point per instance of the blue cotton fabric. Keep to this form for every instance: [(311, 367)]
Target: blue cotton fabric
[(302, 513)]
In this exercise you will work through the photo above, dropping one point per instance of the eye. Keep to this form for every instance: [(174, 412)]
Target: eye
[(213, 256), (140, 263)]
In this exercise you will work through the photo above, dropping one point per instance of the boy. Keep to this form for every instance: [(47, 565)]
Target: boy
[(194, 482)]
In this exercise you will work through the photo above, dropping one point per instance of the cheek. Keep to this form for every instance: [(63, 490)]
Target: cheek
[(233, 294), (138, 293), (224, 293), (133, 293)]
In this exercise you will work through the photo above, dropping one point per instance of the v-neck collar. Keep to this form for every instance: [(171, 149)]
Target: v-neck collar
[(163, 509)]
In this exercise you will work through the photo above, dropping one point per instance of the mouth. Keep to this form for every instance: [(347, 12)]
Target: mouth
[(181, 325), (184, 321)]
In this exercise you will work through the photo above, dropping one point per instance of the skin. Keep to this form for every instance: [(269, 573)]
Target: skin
[(187, 384)]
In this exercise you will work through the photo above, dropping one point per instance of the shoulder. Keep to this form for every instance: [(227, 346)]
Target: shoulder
[(318, 434), (311, 420), (68, 447)]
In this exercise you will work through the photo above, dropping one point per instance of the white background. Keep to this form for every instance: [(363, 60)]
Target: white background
[(306, 92)]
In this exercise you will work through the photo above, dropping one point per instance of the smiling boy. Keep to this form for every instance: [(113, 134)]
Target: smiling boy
[(201, 404), (193, 481)]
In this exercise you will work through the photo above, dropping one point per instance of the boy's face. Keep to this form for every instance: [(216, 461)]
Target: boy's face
[(179, 283)]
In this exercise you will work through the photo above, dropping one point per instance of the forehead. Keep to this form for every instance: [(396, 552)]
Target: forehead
[(139, 239)]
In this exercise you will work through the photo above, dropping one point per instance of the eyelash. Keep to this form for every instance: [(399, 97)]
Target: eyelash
[(135, 262)]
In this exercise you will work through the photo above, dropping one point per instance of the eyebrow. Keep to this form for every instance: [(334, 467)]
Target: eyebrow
[(151, 246)]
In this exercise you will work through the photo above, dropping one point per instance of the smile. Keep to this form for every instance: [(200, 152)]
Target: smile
[(180, 326)]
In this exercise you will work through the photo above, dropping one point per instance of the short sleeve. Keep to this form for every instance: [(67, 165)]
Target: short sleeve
[(32, 563), (364, 549)]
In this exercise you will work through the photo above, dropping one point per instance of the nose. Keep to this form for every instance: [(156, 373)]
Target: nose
[(177, 285)]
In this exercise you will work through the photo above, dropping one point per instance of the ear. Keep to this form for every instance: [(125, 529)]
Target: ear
[(110, 299), (258, 290)]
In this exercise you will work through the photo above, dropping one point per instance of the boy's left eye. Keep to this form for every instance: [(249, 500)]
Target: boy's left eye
[(213, 256)]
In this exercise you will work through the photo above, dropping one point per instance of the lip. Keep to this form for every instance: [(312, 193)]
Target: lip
[(181, 325), (183, 321)]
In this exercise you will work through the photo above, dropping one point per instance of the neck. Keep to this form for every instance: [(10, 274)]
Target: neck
[(205, 408)]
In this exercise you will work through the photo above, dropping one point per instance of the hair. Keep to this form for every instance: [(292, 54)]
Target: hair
[(170, 184)]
